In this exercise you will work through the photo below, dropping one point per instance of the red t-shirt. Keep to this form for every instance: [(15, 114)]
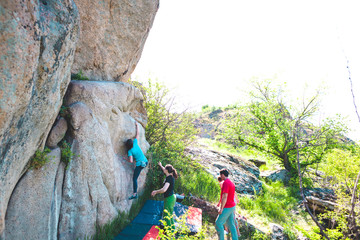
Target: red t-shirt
[(229, 188)]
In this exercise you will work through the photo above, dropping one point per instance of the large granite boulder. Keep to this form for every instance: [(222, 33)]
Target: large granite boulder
[(98, 181), (37, 48), (113, 34), (67, 201), (34, 206), (243, 173)]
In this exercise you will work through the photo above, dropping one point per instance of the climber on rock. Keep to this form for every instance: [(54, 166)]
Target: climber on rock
[(135, 153)]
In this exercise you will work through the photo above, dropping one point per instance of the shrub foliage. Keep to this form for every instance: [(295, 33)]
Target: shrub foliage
[(40, 158)]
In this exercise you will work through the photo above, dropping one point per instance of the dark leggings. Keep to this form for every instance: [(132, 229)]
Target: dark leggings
[(135, 177)]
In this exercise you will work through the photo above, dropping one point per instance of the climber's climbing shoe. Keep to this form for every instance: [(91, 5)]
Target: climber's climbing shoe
[(133, 197)]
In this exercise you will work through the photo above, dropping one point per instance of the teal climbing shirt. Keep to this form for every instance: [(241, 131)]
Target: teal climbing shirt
[(137, 154)]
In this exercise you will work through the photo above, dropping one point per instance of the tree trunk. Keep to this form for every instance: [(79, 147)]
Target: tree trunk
[(287, 164)]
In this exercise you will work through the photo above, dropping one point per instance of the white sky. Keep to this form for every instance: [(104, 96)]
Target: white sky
[(209, 49)]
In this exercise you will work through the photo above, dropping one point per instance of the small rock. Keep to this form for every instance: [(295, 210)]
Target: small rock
[(257, 162), (219, 165), (57, 133), (278, 175), (209, 209), (277, 232)]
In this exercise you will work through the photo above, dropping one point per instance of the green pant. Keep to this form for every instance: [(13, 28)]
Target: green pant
[(169, 204)]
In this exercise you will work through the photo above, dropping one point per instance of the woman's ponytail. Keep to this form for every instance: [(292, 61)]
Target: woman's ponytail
[(175, 173), (172, 170)]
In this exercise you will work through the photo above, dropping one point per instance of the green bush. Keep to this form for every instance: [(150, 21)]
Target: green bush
[(341, 168), (169, 132), (66, 153), (79, 76), (40, 158)]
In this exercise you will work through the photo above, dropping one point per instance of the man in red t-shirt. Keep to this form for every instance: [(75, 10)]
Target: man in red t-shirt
[(227, 207)]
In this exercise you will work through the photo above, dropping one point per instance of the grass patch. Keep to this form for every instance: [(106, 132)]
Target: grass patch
[(276, 203), (201, 184)]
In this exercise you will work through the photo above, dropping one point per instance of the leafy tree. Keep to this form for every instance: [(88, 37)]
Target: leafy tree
[(167, 128), (270, 124), (341, 168), (169, 131)]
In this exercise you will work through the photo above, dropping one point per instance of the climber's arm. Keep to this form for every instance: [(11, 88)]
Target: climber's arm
[(162, 190), (137, 130)]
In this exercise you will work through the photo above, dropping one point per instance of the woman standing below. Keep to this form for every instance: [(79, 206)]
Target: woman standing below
[(169, 196), (135, 153)]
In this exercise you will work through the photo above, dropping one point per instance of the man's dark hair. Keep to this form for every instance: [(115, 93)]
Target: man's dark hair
[(225, 172), (129, 144)]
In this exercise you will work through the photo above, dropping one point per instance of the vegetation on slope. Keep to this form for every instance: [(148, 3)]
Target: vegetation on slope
[(170, 132)]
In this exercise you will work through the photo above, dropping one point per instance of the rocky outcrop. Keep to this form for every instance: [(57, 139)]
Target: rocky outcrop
[(244, 174), (38, 44), (320, 205), (320, 200), (113, 34), (67, 202), (281, 175), (99, 181), (38, 40)]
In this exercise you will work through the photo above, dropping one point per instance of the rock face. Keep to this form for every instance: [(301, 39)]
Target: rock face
[(35, 202), (98, 181), (244, 174), (38, 40), (113, 34)]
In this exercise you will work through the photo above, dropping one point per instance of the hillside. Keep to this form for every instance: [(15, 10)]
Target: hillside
[(262, 184)]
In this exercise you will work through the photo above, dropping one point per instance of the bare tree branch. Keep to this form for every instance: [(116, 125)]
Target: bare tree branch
[(351, 87), (352, 214)]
